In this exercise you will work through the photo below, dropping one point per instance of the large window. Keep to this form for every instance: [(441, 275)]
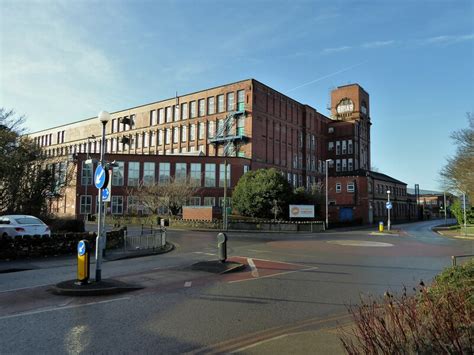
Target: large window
[(184, 133), (153, 117), (230, 101), (221, 175), (192, 132), (86, 204), (117, 204), (241, 100), (193, 108), (180, 173), (149, 173), (210, 129), (211, 108), (161, 116), (86, 178), (132, 205), (160, 137), (175, 134), (169, 114), (184, 111), (210, 175), (164, 172), (209, 201), (118, 173), (168, 136), (195, 176), (194, 201), (201, 130), (202, 107), (133, 173), (350, 187), (220, 103), (349, 146)]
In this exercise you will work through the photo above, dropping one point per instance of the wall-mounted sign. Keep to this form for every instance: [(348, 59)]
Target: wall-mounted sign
[(301, 211)]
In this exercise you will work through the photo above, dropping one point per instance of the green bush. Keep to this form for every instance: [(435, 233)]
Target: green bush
[(458, 211)]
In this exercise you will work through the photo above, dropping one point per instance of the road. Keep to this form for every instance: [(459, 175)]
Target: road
[(293, 283)]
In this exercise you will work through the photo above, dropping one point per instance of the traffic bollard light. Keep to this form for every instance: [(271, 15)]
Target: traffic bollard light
[(83, 262), (222, 247)]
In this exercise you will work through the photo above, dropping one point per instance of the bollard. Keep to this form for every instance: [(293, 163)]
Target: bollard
[(222, 247), (83, 262), (380, 226)]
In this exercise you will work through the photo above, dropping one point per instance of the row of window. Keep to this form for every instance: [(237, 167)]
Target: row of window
[(350, 187), (135, 207), (47, 139), (344, 165), (342, 147), (147, 174), (394, 190)]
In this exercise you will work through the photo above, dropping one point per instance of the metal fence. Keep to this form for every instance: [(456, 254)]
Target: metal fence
[(153, 238), (461, 259)]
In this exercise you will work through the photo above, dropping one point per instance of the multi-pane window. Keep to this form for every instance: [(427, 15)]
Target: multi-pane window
[(344, 164), (338, 187), (86, 204), (230, 101), (222, 173), (338, 165), (184, 133), (194, 201), (180, 173), (193, 108), (175, 134), (210, 129), (202, 107), (349, 146), (118, 173), (220, 127), (211, 108), (209, 201), (240, 100), (220, 103), (132, 204), (146, 139), (165, 173), (168, 136), (152, 138), (192, 132), (338, 147), (330, 145), (344, 147), (195, 175), (153, 117), (241, 126), (350, 187), (350, 165), (184, 111), (117, 204), (169, 114), (201, 130), (210, 175), (133, 173), (176, 112), (86, 178), (161, 116), (148, 173), (160, 137)]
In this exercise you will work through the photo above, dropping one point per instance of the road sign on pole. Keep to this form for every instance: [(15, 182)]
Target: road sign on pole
[(388, 205), (107, 192), (101, 177)]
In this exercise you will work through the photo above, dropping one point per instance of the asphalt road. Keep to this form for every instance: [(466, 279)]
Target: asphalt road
[(293, 283)]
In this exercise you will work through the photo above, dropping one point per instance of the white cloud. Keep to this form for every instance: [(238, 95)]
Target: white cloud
[(336, 49), (377, 44), (448, 39)]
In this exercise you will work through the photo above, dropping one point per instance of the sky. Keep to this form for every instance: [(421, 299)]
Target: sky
[(64, 61)]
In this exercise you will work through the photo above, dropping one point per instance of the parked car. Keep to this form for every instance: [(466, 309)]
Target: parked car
[(19, 225)]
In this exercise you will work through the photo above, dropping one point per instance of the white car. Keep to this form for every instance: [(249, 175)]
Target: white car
[(19, 225)]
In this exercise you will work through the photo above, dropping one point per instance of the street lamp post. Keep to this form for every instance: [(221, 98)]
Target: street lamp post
[(103, 117), (388, 209), (327, 183)]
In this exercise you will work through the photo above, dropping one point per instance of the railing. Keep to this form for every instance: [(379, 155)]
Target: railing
[(455, 257), (153, 238)]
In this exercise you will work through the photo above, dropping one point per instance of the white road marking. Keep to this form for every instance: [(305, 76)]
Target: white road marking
[(62, 308), (188, 284), (200, 252), (281, 273), (253, 267), (359, 243), (24, 288)]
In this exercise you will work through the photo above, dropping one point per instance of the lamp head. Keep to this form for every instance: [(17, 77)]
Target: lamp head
[(388, 192), (104, 117)]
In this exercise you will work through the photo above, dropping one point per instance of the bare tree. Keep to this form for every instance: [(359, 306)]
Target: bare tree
[(171, 195)]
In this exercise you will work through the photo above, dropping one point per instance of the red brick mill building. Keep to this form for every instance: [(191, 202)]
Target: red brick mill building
[(262, 128)]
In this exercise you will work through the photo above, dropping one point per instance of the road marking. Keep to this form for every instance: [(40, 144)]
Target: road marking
[(278, 274), (188, 284), (359, 243), (62, 308), (253, 267), (200, 252), (276, 261), (24, 288)]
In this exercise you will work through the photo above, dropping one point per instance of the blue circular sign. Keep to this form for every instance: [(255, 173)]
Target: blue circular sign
[(388, 205), (101, 177), (81, 248), (105, 194)]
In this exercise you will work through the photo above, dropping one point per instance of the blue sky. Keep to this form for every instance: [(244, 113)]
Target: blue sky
[(63, 61)]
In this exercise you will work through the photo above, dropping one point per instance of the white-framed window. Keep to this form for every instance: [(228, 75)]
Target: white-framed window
[(344, 147), (184, 133), (221, 175), (210, 129), (209, 201), (230, 101), (330, 145), (133, 173), (202, 107), (220, 103), (184, 111), (132, 205), (86, 204), (349, 146), (169, 114), (146, 140), (192, 105), (118, 173), (180, 172), (176, 112), (153, 117), (165, 172), (168, 136), (161, 116), (338, 147), (86, 176), (201, 130), (194, 201), (148, 173), (192, 132), (344, 164), (117, 204), (210, 175), (175, 134), (211, 108), (160, 137), (350, 164), (228, 202), (152, 138), (195, 175), (338, 187), (338, 165), (350, 187)]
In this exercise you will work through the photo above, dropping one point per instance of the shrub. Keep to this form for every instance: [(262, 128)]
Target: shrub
[(66, 225)]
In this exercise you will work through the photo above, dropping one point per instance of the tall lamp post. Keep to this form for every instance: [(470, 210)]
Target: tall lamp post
[(103, 117), (388, 209), (327, 183)]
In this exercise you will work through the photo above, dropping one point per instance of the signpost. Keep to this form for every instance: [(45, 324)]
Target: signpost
[(101, 177), (301, 211)]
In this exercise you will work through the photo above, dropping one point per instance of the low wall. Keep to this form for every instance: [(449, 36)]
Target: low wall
[(278, 226)]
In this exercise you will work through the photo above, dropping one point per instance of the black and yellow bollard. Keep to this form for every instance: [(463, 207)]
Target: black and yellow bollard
[(83, 262)]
